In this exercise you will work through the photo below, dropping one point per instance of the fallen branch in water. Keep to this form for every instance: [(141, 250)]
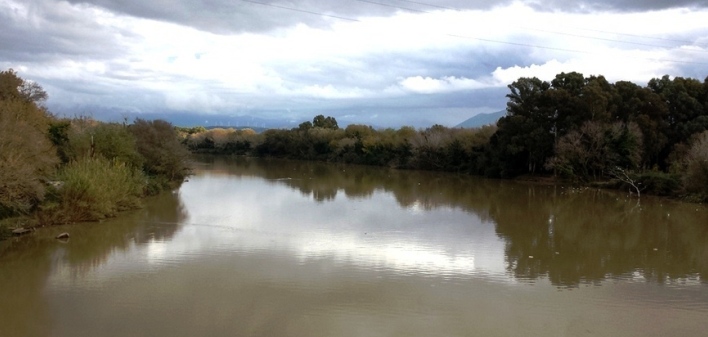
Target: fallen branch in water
[(623, 176)]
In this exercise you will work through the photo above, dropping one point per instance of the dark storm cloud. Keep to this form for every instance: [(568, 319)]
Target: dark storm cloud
[(47, 31)]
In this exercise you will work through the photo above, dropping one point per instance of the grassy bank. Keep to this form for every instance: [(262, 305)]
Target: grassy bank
[(106, 168), (56, 171)]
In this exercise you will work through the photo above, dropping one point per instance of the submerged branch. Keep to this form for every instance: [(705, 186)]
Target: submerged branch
[(623, 176)]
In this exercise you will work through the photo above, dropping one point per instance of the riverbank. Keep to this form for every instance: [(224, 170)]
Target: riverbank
[(58, 170), (62, 170), (646, 183), (95, 188)]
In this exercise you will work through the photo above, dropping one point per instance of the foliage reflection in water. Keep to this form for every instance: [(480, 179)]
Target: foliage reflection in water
[(569, 235), (281, 248)]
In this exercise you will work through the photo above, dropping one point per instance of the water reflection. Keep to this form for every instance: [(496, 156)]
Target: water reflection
[(568, 235), (592, 235), (28, 263), (375, 233), (254, 247)]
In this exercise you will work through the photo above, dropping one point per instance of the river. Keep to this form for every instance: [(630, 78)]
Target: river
[(255, 247)]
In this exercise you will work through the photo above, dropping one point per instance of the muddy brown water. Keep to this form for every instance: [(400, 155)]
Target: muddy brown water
[(251, 247)]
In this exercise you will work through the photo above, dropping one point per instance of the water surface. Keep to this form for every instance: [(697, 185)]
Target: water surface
[(252, 247)]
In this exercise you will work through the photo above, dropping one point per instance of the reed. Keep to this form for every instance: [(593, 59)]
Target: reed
[(94, 189)]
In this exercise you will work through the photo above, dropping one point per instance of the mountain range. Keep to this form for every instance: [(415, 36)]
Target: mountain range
[(190, 119), (482, 119)]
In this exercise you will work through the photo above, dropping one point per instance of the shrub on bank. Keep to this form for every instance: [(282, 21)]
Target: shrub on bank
[(5, 230), (89, 138), (93, 189), (660, 183), (55, 171)]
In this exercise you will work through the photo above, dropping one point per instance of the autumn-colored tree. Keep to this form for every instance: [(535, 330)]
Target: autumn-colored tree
[(27, 157), (13, 87)]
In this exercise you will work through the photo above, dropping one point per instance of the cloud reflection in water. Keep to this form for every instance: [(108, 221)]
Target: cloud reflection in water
[(246, 215)]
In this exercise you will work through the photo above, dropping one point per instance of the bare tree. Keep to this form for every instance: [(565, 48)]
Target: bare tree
[(623, 176), (696, 176)]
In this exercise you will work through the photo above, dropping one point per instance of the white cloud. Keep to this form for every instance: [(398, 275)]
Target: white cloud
[(368, 62), (427, 85), (632, 66)]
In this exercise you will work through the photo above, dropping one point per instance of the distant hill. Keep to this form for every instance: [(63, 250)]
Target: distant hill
[(256, 129), (482, 119), (221, 121)]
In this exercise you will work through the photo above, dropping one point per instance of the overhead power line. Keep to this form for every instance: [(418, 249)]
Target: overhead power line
[(299, 10), (543, 30), (392, 6), (568, 50), (547, 31), (607, 40), (429, 5), (518, 44), (500, 41), (633, 35)]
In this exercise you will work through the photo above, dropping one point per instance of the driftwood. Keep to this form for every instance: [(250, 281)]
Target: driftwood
[(21, 231)]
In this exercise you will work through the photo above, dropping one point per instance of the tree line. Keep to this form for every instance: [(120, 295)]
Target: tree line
[(583, 129), (61, 170)]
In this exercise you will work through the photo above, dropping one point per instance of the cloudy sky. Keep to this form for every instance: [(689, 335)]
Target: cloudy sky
[(376, 62)]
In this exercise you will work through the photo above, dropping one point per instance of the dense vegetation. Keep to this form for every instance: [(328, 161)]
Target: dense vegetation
[(55, 171), (435, 148), (652, 138)]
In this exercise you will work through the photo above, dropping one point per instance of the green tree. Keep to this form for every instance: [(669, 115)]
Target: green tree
[(687, 115), (158, 144), (598, 98), (304, 126), (524, 138), (113, 141), (696, 176), (650, 112), (59, 136), (321, 121), (569, 110)]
